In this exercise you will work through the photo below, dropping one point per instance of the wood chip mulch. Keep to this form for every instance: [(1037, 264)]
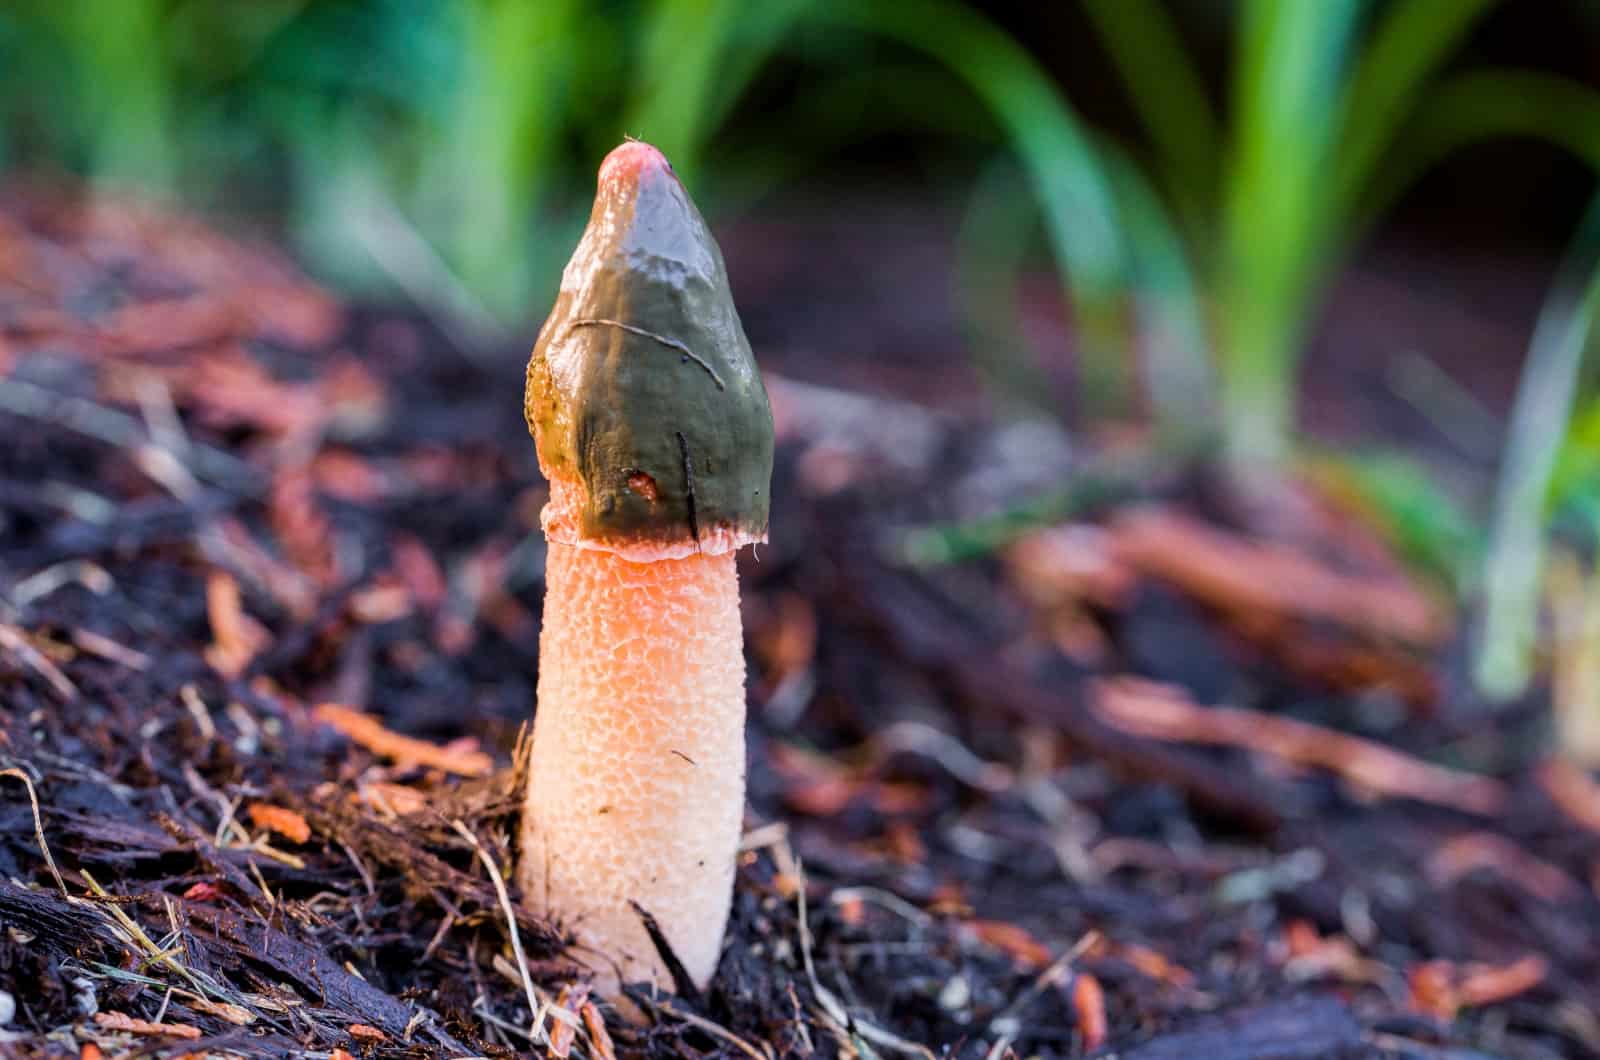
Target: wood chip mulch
[(1151, 782)]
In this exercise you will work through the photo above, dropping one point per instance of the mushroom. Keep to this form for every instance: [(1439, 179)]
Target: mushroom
[(653, 427)]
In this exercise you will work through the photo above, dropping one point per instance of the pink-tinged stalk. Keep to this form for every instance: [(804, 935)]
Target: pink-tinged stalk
[(636, 786)]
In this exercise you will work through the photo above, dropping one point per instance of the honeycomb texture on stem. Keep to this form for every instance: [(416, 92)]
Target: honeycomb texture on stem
[(636, 787)]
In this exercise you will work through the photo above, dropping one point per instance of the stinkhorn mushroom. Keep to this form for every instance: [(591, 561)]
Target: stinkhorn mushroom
[(653, 428)]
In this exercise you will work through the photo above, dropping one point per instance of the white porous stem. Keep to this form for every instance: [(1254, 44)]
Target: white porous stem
[(636, 786)]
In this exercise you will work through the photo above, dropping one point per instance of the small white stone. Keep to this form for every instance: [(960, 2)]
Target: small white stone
[(88, 1004), (956, 995), (8, 1008)]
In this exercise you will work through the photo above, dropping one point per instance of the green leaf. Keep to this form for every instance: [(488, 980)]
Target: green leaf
[(1068, 177), (1487, 104), (1539, 425), (1169, 95), (1408, 46), (1275, 218)]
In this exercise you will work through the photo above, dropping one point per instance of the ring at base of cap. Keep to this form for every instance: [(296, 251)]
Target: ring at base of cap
[(560, 521)]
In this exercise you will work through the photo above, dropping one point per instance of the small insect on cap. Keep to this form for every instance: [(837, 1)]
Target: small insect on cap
[(643, 397)]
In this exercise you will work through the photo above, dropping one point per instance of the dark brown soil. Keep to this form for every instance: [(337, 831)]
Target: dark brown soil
[(995, 806)]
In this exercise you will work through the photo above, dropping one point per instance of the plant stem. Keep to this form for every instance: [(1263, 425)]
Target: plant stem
[(1275, 220)]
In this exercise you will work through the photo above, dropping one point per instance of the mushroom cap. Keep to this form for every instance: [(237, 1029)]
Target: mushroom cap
[(643, 395)]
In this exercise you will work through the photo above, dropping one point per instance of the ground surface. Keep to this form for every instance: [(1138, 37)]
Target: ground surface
[(268, 636)]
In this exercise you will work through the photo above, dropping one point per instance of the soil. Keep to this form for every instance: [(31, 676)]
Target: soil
[(1138, 769)]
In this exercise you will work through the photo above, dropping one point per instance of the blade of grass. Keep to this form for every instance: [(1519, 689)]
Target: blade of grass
[(1540, 419), (1403, 497), (1274, 217), (1176, 352), (1576, 479), (1067, 175), (124, 81), (1484, 105), (1409, 44), (991, 249), (697, 59), (758, 33), (1168, 94), (848, 107), (507, 120), (683, 43)]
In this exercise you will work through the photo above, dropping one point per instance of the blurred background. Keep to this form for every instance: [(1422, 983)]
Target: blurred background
[(1341, 239)]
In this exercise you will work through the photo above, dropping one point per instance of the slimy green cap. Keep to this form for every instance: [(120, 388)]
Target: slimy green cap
[(643, 396)]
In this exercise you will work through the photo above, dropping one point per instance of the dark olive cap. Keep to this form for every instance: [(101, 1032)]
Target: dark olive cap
[(642, 389)]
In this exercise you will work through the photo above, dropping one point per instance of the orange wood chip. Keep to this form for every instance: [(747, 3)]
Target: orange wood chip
[(1486, 850), (1486, 985), (343, 474), (1442, 989), (1089, 1002), (405, 750), (418, 570), (363, 1033), (236, 637), (1238, 574), (1573, 790), (1069, 563), (563, 1032), (396, 799), (119, 1021), (1312, 955), (1162, 712), (301, 527), (1154, 965), (285, 822), (1012, 940), (1432, 990), (599, 1038)]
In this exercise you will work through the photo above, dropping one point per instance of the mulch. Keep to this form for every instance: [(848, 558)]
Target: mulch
[(1137, 769)]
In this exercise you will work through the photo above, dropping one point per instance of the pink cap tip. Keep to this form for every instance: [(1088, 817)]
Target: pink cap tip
[(632, 160)]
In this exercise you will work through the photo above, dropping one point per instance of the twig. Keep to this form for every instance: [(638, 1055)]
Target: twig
[(1005, 1021), (1573, 792), (535, 1003), (445, 924), (30, 401), (42, 583), (104, 647), (406, 750), (886, 899), (716, 1030), (960, 761), (831, 1005), (366, 877), (14, 640), (138, 935), (38, 827), (763, 836)]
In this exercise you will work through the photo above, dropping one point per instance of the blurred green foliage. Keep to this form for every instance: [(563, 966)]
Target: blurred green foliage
[(447, 147), (1549, 467)]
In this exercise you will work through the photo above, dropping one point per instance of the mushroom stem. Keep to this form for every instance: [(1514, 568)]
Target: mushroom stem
[(636, 786)]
